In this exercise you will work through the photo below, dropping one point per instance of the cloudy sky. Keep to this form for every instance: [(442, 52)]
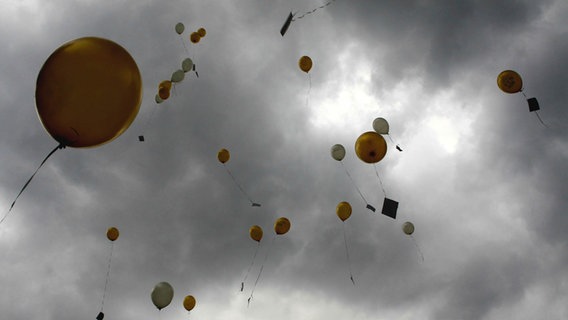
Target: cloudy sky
[(483, 181)]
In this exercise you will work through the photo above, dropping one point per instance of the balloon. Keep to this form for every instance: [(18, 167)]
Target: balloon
[(88, 92), (255, 233), (201, 32), (162, 295), (223, 155), (305, 64), (187, 65), (165, 84), (509, 81), (194, 37), (381, 126), (343, 210), (337, 152), (164, 93), (282, 225), (158, 99), (371, 147), (408, 228), (178, 76), (112, 233), (189, 302), (179, 28)]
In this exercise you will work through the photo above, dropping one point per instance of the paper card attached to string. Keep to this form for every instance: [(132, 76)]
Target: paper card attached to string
[(389, 208), (533, 104)]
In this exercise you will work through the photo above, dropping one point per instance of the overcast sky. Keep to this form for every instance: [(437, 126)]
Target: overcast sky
[(483, 181)]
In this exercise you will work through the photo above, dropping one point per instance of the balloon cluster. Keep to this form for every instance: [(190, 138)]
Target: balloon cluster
[(187, 64), (163, 294)]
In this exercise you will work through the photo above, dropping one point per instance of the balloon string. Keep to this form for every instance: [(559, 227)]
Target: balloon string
[(183, 43), (417, 247), (538, 116), (309, 90), (314, 10), (107, 276), (254, 204), (60, 146), (353, 181), (260, 272), (347, 254), (380, 181), (250, 266)]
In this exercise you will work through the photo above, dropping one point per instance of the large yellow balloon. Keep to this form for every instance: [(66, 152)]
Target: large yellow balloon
[(305, 64), (255, 233), (112, 233), (223, 155), (282, 225), (189, 302), (343, 210), (509, 81), (371, 147), (88, 92)]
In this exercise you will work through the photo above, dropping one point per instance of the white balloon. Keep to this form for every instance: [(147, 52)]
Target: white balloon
[(162, 295), (178, 76), (337, 152), (158, 99), (179, 28), (187, 65), (408, 228), (381, 126)]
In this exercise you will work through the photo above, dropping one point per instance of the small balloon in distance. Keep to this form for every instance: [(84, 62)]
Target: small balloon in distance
[(337, 152), (256, 233), (281, 226), (223, 155), (162, 295), (189, 302), (305, 63), (343, 210), (510, 81), (112, 233)]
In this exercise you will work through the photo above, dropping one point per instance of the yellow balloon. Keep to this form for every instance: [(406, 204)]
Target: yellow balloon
[(305, 64), (509, 81), (282, 225), (88, 92), (343, 210), (165, 84), (194, 37), (164, 93), (189, 302), (223, 155), (255, 233), (112, 233), (202, 32), (371, 147)]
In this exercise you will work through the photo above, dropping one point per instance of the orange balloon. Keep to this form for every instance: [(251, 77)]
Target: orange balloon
[(189, 303), (371, 147), (201, 32), (194, 37), (223, 155), (164, 93), (112, 233), (510, 81), (343, 210), (165, 84), (255, 233), (282, 225), (88, 92), (305, 64)]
